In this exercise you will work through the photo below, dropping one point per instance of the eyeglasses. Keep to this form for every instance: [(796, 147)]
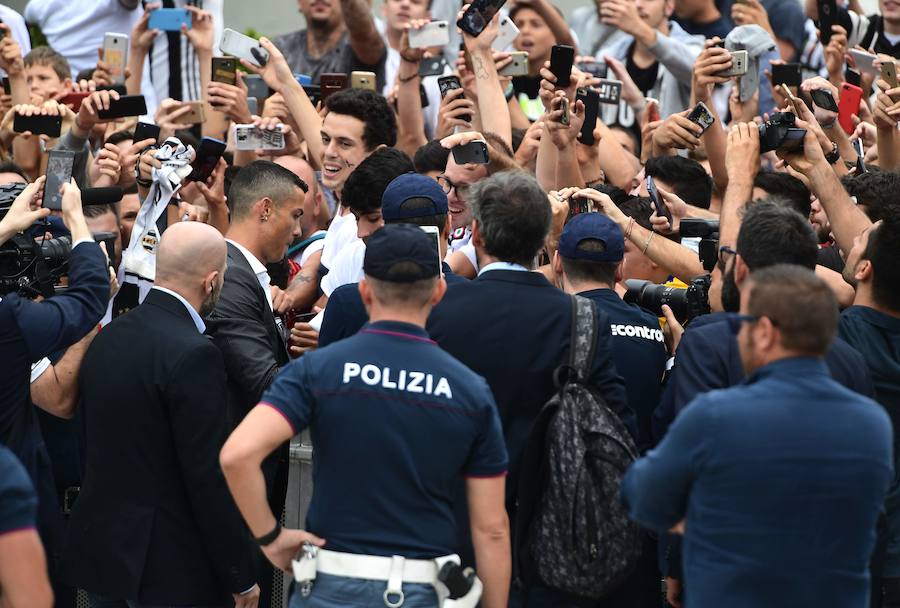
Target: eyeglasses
[(724, 249), (447, 185), (735, 321)]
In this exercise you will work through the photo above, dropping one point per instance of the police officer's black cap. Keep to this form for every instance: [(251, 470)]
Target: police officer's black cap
[(401, 253)]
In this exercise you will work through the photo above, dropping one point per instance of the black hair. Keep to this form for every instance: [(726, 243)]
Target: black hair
[(616, 194), (366, 185), (791, 190), (370, 108), (689, 180), (431, 156), (513, 215), (775, 234), (259, 179), (120, 136), (100, 210), (637, 208), (11, 167), (875, 191), (883, 251)]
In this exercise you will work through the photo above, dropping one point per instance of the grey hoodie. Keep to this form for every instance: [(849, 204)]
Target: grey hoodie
[(676, 53)]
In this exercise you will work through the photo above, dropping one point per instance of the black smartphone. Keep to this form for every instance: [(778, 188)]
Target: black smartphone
[(256, 87), (860, 155), (146, 130), (224, 70), (591, 100), (447, 84), (129, 105), (661, 209), (701, 115), (827, 18), (610, 91), (824, 100), (478, 16), (853, 77), (6, 88), (595, 68), (208, 156), (561, 59), (332, 83), (786, 74), (432, 66), (59, 171), (423, 96), (473, 152), (38, 125)]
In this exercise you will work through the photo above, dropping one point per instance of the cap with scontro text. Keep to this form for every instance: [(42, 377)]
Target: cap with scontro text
[(594, 227), (401, 253), (412, 186)]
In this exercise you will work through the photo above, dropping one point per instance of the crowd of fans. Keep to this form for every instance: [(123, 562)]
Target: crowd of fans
[(603, 305)]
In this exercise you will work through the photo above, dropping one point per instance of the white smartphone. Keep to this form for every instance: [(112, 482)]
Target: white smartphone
[(508, 33), (435, 234), (115, 55), (865, 62), (249, 137), (436, 33), (238, 45), (518, 66)]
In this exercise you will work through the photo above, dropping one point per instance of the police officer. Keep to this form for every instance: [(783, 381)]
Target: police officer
[(589, 261), (396, 422)]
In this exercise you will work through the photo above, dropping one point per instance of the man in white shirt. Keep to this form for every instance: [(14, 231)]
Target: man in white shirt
[(75, 28)]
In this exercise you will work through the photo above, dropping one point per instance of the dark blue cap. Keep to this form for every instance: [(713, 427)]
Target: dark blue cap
[(401, 253), (594, 226), (412, 185)]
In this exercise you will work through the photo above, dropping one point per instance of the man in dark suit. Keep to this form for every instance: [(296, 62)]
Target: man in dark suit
[(512, 326), (31, 330), (155, 524), (266, 202)]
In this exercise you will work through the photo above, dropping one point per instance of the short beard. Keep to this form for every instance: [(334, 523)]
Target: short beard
[(209, 302), (731, 295)]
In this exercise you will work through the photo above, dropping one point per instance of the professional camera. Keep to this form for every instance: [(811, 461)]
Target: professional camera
[(685, 303), (708, 233), (779, 133)]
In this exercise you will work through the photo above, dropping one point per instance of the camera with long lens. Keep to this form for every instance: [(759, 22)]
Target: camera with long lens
[(779, 133), (708, 233), (27, 266), (685, 303)]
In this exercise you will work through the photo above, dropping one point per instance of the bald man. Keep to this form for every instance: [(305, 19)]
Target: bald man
[(155, 523)]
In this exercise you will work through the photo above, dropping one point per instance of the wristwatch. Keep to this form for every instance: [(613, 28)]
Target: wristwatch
[(833, 156)]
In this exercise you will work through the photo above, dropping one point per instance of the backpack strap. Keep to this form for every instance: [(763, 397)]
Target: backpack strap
[(583, 341)]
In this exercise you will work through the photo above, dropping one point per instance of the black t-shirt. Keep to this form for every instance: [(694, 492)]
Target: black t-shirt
[(644, 78)]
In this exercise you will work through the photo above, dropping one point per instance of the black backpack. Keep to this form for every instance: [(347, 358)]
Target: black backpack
[(572, 531)]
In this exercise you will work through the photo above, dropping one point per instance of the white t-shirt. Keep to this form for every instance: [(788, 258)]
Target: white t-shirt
[(346, 268), (37, 369), (75, 28), (432, 90), (311, 248), (341, 232)]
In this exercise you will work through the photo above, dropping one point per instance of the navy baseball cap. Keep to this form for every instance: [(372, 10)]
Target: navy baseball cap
[(412, 185), (594, 226), (401, 253)]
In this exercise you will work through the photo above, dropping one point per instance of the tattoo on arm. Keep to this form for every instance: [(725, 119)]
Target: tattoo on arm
[(478, 66)]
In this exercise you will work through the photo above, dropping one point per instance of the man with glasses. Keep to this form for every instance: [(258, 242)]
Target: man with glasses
[(776, 483)]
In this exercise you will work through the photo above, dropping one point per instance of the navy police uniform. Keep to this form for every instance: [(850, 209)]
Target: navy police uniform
[(639, 350), (345, 313), (18, 502), (396, 422)]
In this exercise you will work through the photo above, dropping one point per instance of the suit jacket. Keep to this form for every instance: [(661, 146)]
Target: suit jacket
[(155, 522), (513, 328), (31, 330), (244, 329)]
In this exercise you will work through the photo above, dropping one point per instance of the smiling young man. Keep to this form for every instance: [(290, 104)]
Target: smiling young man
[(358, 122)]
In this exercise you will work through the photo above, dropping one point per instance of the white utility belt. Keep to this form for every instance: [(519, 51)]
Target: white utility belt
[(395, 570)]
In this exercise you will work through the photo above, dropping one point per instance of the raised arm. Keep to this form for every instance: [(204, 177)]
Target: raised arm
[(365, 40), (492, 106)]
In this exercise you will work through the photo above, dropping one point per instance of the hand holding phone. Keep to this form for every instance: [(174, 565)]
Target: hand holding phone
[(561, 59), (435, 33), (244, 47), (662, 210), (478, 16), (59, 172), (473, 152)]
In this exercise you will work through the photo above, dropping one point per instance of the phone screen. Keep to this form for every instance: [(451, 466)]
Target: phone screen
[(435, 235), (208, 156), (59, 171)]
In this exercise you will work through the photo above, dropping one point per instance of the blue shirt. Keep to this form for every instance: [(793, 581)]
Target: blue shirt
[(396, 423), (780, 480), (18, 502), (639, 352)]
